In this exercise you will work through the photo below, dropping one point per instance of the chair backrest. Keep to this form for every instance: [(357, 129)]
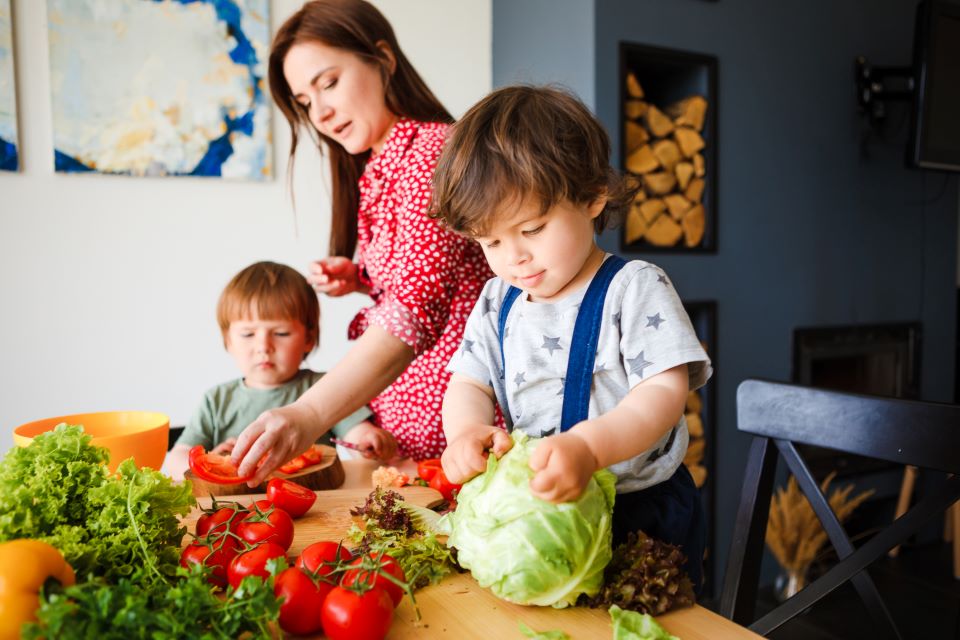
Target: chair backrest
[(779, 415)]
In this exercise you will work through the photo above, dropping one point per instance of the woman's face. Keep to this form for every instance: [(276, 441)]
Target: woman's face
[(344, 95)]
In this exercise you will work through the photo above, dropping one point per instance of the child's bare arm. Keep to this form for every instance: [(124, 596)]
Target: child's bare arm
[(177, 462), (565, 462), (468, 416)]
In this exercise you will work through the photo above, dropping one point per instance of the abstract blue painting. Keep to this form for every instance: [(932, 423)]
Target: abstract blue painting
[(160, 87), (9, 157)]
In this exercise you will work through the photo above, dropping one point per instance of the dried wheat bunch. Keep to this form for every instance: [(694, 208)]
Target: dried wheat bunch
[(794, 533)]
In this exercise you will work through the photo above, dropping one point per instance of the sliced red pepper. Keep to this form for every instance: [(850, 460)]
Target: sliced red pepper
[(214, 467), (426, 469)]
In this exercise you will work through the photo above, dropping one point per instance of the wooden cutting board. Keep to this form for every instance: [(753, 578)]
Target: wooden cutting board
[(458, 608)]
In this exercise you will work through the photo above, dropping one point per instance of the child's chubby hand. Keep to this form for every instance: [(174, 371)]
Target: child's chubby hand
[(563, 466), (225, 447), (466, 456), (334, 276), (373, 441)]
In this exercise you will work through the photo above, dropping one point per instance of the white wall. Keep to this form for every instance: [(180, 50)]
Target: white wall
[(108, 284)]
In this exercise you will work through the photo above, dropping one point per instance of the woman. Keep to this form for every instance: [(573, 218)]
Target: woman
[(336, 66)]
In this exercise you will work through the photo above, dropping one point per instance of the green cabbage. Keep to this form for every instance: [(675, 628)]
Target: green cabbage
[(528, 550)]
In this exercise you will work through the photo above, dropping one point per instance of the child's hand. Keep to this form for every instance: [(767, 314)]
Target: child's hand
[(466, 456), (564, 465), (334, 276), (373, 441), (225, 447)]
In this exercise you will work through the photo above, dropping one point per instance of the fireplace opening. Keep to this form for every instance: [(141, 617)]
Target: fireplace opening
[(881, 360)]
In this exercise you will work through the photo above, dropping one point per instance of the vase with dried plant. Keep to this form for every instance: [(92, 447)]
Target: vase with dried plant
[(795, 534)]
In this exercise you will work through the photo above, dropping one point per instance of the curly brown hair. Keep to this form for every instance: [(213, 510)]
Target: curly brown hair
[(524, 142)]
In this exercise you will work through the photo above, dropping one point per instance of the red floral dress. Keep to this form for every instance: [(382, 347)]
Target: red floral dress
[(424, 281)]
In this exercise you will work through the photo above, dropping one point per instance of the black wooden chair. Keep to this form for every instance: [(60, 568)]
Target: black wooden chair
[(778, 415)]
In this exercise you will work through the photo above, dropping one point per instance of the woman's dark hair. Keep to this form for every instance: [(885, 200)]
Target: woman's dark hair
[(358, 27)]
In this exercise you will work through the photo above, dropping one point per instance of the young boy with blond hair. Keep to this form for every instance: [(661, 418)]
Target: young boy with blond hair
[(526, 173), (269, 319)]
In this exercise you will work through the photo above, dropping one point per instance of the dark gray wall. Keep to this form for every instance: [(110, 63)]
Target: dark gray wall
[(815, 227)]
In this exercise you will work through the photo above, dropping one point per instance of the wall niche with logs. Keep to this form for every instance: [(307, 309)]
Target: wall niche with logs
[(668, 113)]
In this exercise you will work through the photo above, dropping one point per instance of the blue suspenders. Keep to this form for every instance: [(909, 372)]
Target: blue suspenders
[(583, 345)]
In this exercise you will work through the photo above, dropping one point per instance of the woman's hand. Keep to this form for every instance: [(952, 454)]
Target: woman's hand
[(335, 276), (274, 438), (564, 464), (374, 442), (466, 456)]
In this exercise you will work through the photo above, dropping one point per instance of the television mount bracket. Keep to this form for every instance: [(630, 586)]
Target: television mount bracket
[(878, 85)]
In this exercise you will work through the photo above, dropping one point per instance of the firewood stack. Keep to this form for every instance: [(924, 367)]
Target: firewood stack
[(664, 152), (698, 443)]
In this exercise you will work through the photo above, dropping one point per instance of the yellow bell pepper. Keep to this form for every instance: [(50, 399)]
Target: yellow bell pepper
[(24, 566)]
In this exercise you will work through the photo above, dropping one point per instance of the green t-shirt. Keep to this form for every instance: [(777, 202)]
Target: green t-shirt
[(228, 408)]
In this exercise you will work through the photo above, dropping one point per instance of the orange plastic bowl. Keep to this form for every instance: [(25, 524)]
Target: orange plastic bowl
[(138, 434)]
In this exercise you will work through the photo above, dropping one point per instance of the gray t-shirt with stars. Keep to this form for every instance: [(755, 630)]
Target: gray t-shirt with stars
[(645, 331)]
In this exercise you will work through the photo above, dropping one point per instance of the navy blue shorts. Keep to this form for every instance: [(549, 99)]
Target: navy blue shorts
[(670, 511)]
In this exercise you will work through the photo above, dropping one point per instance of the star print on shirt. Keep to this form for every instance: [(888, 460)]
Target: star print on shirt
[(547, 432), (655, 321), (487, 306), (662, 278), (638, 364), (615, 319), (600, 367), (551, 344), (520, 378), (467, 347), (563, 384)]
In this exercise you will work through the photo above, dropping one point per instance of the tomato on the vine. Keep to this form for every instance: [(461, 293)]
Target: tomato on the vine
[(445, 487), (220, 519), (347, 615), (214, 467), (293, 498), (426, 469), (368, 573), (266, 523), (253, 562), (302, 601), (216, 552), (313, 557)]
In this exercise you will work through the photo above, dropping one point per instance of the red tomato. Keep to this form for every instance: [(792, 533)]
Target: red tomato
[(266, 523), (372, 577), (213, 467), (214, 552), (292, 466), (293, 498), (220, 520), (348, 616), (302, 601), (440, 483), (315, 555), (426, 469), (313, 455), (253, 562)]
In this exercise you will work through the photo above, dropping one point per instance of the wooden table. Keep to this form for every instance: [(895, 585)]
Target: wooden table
[(457, 608)]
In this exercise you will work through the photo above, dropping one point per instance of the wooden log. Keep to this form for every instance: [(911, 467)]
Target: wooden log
[(694, 223), (684, 171), (657, 122), (695, 449), (327, 474), (689, 112), (634, 90), (694, 191), (668, 153), (677, 205), (636, 137), (694, 404), (642, 161), (660, 182), (634, 109), (636, 225), (699, 474), (689, 140), (652, 208), (699, 166), (664, 232), (640, 196), (694, 425)]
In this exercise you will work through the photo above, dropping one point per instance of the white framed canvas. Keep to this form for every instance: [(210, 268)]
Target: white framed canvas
[(161, 88)]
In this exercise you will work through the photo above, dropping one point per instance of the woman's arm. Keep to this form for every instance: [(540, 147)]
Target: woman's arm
[(371, 365)]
